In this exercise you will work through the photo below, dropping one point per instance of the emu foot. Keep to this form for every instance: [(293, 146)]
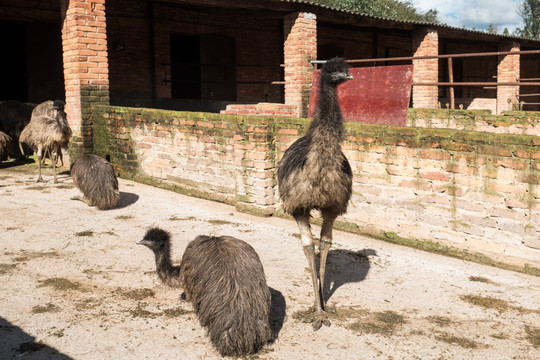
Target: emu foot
[(39, 179), (80, 198), (318, 318)]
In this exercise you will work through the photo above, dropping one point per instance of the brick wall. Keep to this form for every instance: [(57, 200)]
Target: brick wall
[(468, 190), (261, 109), (507, 71), (425, 43), (300, 31), (223, 158), (511, 122), (86, 72), (130, 47)]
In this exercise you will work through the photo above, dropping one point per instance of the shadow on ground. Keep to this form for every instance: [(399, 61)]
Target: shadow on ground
[(17, 344), (345, 266), (278, 309), (16, 162), (126, 199)]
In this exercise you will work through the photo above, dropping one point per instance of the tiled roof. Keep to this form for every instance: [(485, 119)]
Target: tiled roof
[(435, 25)]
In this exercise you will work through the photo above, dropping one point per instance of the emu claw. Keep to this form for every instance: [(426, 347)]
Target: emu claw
[(318, 319), (322, 320)]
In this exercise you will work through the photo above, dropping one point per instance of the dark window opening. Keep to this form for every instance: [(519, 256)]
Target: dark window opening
[(13, 85), (31, 68), (326, 52), (203, 67)]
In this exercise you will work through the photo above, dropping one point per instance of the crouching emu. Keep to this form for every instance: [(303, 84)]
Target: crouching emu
[(95, 178), (48, 129), (224, 279), (314, 174)]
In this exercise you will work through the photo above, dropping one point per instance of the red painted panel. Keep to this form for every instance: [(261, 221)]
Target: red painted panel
[(377, 95)]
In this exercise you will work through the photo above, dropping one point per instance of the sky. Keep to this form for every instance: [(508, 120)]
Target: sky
[(475, 14)]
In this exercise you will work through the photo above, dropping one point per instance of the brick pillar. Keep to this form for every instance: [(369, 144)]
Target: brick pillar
[(425, 43), (507, 71), (300, 31), (86, 67)]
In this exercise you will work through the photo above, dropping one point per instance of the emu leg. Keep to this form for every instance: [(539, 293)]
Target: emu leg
[(39, 151), (324, 245), (61, 156), (309, 250), (53, 160)]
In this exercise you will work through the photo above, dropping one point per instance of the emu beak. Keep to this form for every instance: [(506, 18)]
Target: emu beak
[(144, 242)]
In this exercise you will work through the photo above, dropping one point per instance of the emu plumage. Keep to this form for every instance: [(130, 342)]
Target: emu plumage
[(314, 174), (224, 279), (48, 129)]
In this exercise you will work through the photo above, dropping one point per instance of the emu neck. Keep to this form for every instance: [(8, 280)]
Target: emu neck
[(167, 273), (327, 121)]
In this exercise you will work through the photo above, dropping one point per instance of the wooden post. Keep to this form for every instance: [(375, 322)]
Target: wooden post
[(451, 79)]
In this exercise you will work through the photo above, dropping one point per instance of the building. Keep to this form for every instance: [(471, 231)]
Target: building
[(205, 55)]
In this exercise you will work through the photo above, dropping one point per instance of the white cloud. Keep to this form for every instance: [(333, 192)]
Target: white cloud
[(477, 14)]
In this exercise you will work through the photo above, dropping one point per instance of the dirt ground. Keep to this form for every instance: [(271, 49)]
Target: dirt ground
[(75, 285)]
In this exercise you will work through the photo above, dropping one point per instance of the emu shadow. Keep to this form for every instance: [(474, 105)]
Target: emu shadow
[(345, 266), (16, 162), (126, 199), (15, 344), (278, 309)]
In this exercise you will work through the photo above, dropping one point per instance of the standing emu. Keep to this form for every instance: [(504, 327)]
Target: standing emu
[(48, 129), (224, 279), (95, 178), (315, 174)]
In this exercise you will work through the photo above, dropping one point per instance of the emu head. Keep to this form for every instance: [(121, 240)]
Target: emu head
[(157, 240), (335, 71), (58, 105), (57, 112)]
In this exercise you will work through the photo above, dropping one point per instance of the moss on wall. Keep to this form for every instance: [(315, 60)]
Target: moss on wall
[(270, 136)]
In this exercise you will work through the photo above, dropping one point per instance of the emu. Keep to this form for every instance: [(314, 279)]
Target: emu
[(314, 174), (54, 152), (14, 116), (48, 129), (224, 279), (95, 178), (5, 141)]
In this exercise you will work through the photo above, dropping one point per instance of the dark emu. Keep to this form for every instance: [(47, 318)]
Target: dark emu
[(314, 174), (95, 178), (224, 279)]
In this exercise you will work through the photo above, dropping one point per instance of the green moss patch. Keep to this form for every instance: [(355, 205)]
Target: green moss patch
[(456, 340), (49, 307), (60, 284)]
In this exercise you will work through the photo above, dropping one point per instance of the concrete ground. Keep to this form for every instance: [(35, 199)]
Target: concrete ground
[(74, 285)]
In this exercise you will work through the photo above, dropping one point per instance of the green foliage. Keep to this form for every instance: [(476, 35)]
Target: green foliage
[(393, 9), (530, 13)]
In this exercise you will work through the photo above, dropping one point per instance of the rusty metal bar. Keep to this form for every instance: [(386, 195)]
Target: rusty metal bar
[(476, 84), (526, 95), (451, 79), (428, 57), (529, 79)]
